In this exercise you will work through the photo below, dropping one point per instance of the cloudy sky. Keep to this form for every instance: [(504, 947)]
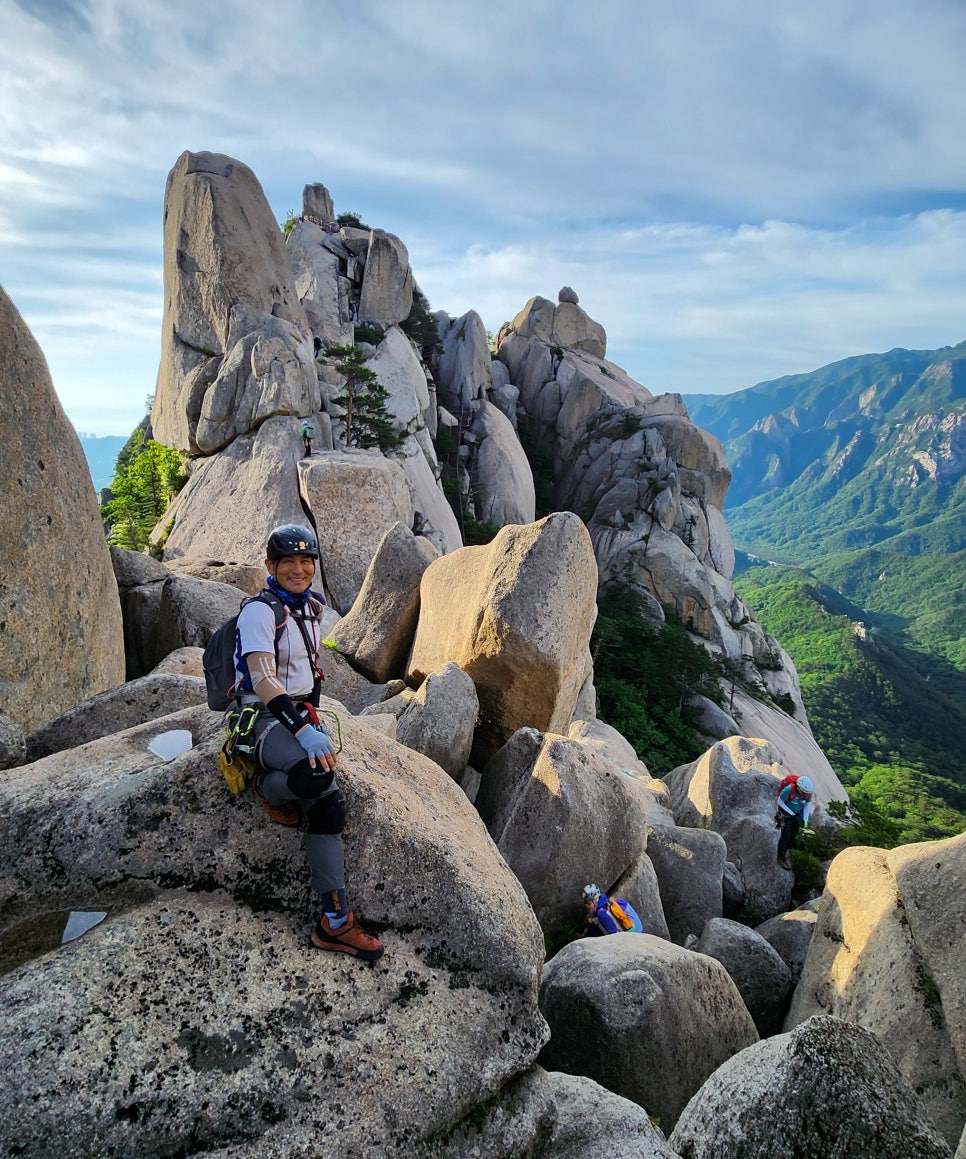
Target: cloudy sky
[(737, 189)]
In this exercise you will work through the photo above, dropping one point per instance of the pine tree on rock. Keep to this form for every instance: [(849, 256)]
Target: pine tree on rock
[(368, 421)]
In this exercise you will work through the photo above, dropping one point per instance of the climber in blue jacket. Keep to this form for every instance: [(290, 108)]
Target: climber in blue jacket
[(609, 915), (794, 809)]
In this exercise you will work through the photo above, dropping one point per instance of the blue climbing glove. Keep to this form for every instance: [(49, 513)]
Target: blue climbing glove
[(315, 741)]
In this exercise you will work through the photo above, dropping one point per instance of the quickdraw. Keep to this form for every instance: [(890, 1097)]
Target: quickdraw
[(333, 730), (236, 759)]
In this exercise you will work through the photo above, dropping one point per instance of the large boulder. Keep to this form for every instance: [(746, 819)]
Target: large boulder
[(516, 615), (887, 954), (317, 203), (463, 371), (235, 345), (594, 1123), (187, 661), (233, 499), (732, 788), (192, 610), (565, 818), (763, 980), (268, 369), (200, 982), (502, 481), (137, 701), (608, 741), (248, 578), (827, 1089), (377, 631), (387, 283), (400, 373), (140, 579), (61, 633), (316, 267), (355, 497), (573, 327), (644, 1018), (689, 864), (791, 935), (433, 516), (439, 719)]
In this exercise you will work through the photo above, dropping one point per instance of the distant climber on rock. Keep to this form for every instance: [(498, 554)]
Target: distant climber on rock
[(277, 672), (306, 436), (794, 807), (607, 915)]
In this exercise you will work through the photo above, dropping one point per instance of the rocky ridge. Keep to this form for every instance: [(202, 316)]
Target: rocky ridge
[(455, 680)]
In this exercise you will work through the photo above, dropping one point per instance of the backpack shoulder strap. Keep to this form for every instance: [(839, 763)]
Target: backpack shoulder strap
[(280, 610)]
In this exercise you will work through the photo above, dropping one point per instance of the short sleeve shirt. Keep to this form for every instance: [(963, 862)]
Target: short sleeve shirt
[(256, 633)]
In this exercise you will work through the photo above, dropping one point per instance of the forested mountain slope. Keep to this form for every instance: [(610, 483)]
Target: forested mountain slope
[(889, 718), (856, 471)]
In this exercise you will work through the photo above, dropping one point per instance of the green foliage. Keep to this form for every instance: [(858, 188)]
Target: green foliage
[(750, 915), (829, 474), (892, 736), (147, 476), (352, 220), (541, 466), (477, 531), (368, 422), (808, 869), (370, 332), (645, 675), (422, 328), (473, 530), (291, 221), (557, 938)]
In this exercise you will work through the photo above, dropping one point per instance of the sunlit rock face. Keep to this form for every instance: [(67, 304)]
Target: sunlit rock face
[(235, 342), (649, 484), (61, 638), (887, 954)]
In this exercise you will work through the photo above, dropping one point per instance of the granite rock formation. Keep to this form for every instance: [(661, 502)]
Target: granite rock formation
[(60, 615)]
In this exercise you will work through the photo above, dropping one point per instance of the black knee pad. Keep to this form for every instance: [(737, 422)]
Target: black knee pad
[(306, 782), (327, 815)]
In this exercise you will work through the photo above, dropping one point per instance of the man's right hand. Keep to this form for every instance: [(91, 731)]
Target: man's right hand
[(317, 746)]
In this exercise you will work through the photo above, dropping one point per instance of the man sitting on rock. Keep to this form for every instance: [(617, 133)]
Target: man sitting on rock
[(277, 671), (794, 810), (609, 915)]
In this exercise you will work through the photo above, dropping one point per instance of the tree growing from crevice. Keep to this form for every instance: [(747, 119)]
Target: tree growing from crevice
[(422, 327), (368, 421)]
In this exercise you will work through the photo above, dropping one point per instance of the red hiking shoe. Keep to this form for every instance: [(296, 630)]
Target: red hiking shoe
[(350, 938), (284, 814)]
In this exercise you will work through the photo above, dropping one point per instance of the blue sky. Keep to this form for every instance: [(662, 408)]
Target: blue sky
[(736, 190)]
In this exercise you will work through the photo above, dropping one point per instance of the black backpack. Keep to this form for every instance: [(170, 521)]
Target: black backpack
[(219, 658)]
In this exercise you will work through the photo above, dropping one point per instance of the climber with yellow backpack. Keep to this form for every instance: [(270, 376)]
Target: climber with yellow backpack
[(609, 915)]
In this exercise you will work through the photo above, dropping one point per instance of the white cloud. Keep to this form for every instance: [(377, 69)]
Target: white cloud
[(735, 190), (738, 305)]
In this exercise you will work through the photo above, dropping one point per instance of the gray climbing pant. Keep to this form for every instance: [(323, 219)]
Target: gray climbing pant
[(279, 753)]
